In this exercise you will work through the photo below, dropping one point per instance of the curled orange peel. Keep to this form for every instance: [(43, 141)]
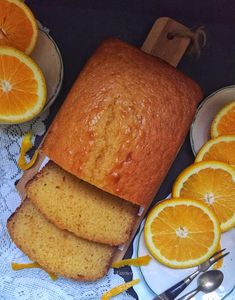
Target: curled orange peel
[(139, 261), (119, 289), (220, 262), (25, 147), (17, 267)]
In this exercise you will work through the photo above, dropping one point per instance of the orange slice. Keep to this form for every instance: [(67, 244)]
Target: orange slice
[(18, 26), (22, 86), (214, 184), (221, 148), (224, 121), (181, 233)]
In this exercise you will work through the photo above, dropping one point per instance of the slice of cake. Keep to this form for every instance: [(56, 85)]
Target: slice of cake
[(81, 208), (57, 251)]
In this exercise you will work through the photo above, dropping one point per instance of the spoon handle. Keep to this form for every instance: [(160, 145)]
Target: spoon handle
[(189, 295), (176, 289)]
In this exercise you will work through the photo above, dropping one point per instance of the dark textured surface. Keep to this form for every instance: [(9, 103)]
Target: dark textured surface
[(79, 26)]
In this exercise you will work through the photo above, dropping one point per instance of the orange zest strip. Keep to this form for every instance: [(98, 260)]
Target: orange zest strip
[(220, 262), (119, 289), (17, 267), (139, 261), (53, 276), (25, 147)]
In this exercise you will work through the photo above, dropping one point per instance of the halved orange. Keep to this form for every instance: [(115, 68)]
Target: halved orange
[(22, 86), (181, 233), (221, 148), (18, 26), (224, 121), (213, 183)]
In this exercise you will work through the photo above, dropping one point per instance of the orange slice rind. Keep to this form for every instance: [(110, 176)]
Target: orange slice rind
[(181, 233)]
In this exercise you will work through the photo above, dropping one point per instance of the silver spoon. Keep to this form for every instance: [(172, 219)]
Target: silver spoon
[(207, 282)]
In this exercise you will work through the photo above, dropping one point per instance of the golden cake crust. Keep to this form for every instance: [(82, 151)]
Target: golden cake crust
[(123, 122)]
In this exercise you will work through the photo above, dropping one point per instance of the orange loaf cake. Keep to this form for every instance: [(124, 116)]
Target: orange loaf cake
[(57, 251), (81, 208), (123, 122)]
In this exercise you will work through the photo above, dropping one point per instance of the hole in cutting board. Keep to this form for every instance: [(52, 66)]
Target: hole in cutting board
[(170, 36)]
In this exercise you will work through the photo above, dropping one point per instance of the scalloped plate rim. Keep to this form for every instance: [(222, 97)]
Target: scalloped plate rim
[(201, 105)]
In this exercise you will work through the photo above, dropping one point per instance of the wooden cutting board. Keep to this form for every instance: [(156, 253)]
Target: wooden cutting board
[(159, 41), (158, 44)]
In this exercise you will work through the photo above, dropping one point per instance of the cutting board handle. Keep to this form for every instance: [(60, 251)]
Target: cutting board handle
[(160, 43)]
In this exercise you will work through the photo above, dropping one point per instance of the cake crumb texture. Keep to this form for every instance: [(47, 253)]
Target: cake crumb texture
[(57, 251), (75, 205)]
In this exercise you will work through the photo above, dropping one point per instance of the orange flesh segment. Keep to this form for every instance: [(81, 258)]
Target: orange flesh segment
[(12, 20), (199, 237), (25, 147), (17, 84), (209, 181), (226, 125), (222, 151), (17, 267), (119, 289), (139, 261)]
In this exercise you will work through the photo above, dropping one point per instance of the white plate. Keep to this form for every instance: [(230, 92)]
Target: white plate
[(159, 277), (48, 57), (200, 129)]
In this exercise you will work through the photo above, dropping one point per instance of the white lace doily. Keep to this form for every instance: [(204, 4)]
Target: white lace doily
[(33, 284)]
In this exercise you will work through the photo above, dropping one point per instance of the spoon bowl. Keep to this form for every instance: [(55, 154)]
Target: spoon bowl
[(210, 280), (207, 282)]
